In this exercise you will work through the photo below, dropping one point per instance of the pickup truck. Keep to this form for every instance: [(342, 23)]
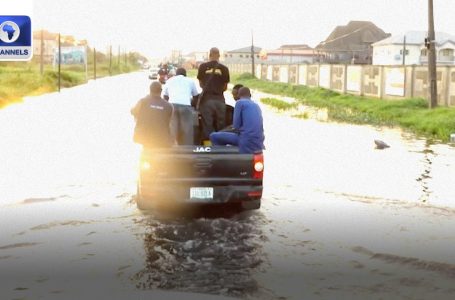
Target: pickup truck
[(200, 175)]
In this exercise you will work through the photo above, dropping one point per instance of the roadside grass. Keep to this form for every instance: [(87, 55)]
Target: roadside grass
[(410, 114), (279, 104), (20, 79)]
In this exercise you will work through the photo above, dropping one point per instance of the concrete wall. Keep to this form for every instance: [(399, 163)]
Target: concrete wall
[(384, 82)]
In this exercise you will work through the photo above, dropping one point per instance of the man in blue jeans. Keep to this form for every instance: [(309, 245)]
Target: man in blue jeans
[(248, 126), (179, 90)]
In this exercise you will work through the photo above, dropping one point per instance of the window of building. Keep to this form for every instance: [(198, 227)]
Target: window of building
[(247, 56), (446, 52), (423, 52), (241, 55), (407, 52)]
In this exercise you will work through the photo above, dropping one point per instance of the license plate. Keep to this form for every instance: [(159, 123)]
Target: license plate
[(201, 193)]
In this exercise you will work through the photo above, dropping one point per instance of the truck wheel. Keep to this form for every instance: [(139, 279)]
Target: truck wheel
[(251, 204)]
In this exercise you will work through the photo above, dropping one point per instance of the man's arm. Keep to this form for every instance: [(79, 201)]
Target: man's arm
[(227, 79), (200, 76), (237, 122), (165, 92), (194, 91), (135, 110)]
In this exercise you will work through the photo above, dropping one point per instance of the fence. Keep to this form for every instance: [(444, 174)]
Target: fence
[(383, 82)]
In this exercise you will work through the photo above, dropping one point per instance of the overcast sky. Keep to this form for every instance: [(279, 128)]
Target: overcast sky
[(155, 27)]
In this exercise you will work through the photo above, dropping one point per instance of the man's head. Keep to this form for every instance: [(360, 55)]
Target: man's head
[(244, 92), (155, 88), (181, 71), (235, 91), (214, 54)]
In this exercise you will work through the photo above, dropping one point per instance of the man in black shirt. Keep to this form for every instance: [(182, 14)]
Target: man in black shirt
[(153, 116), (213, 78)]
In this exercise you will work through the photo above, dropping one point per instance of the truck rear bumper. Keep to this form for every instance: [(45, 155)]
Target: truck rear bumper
[(182, 194)]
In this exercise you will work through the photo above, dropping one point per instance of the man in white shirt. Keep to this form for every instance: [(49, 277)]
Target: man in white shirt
[(179, 90)]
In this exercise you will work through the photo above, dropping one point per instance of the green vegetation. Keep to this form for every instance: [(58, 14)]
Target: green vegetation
[(191, 73), (279, 104), (411, 114), (20, 79)]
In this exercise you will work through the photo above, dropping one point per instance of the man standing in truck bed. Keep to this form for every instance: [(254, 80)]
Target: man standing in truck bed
[(213, 78), (179, 90)]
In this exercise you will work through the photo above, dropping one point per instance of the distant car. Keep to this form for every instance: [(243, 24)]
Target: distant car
[(153, 73)]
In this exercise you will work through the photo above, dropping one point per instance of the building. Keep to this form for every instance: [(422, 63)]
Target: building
[(289, 54), (48, 41), (350, 44), (49, 44), (194, 59), (242, 55), (390, 50), (175, 57)]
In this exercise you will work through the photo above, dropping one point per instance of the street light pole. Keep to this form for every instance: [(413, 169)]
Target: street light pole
[(41, 65), (404, 50), (59, 61), (432, 58), (252, 54)]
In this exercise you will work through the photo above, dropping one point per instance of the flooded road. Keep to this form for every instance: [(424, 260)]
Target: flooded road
[(339, 218)]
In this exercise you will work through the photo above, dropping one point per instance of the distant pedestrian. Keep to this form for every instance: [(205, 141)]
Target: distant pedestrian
[(163, 73), (180, 90), (213, 78), (248, 132), (152, 115)]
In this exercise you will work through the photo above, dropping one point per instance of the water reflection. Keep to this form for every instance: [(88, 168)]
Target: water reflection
[(204, 251), (425, 176)]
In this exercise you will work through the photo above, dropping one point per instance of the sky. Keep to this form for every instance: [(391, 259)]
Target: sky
[(154, 27)]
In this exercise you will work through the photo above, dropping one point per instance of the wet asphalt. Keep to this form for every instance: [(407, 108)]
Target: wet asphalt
[(340, 219)]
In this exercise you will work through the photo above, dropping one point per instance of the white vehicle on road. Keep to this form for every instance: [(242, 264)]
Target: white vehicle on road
[(153, 73)]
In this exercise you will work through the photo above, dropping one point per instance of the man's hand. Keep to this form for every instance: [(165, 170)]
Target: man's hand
[(229, 128)]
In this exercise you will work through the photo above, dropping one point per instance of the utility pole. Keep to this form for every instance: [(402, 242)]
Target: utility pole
[(110, 60), (252, 54), (41, 66), (59, 61), (118, 58), (432, 58), (404, 50), (94, 63)]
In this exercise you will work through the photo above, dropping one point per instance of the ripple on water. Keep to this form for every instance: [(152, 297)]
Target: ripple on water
[(203, 255)]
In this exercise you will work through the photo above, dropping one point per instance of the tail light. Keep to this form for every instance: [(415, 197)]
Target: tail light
[(145, 165), (258, 166)]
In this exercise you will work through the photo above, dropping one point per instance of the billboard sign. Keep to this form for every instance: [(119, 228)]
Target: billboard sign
[(71, 55)]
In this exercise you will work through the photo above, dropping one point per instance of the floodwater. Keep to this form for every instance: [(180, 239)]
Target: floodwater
[(339, 219)]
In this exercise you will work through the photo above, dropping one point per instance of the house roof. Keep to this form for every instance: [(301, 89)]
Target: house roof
[(415, 38), (245, 50), (356, 35), (46, 35), (295, 47), (290, 52)]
